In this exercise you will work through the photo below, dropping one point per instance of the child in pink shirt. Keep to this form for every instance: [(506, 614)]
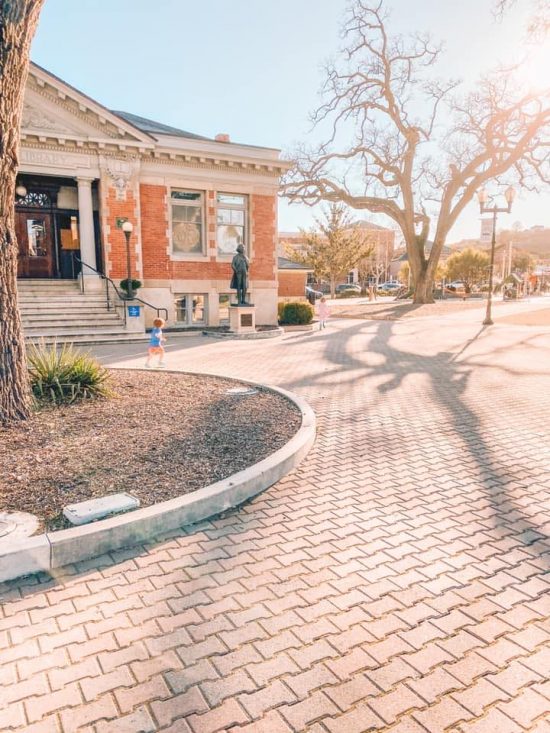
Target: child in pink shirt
[(323, 313)]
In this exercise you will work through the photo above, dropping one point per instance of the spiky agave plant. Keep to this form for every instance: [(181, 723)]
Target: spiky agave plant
[(63, 374)]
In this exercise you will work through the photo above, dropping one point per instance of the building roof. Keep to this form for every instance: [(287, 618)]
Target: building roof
[(285, 264), (150, 126)]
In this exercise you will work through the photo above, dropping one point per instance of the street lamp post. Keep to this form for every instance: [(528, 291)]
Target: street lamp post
[(482, 196), (127, 228)]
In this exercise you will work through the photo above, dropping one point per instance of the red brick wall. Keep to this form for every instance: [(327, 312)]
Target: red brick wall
[(265, 237), (154, 225), (115, 258), (292, 285), (155, 244)]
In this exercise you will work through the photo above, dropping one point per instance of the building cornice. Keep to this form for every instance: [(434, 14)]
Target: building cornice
[(55, 142)]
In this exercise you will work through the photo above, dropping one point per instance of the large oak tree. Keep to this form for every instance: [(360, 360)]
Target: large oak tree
[(400, 141), (18, 21)]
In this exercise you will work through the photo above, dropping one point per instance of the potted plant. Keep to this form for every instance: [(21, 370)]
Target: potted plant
[(136, 285)]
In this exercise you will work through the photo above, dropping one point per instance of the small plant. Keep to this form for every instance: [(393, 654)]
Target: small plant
[(295, 314), (63, 374), (136, 285)]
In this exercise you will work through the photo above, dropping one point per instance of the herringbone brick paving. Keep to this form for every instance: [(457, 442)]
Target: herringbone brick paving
[(396, 581)]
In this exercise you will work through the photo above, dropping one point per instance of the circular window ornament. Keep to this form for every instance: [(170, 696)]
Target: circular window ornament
[(186, 236)]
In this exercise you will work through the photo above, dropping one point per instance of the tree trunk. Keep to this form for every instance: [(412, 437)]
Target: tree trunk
[(423, 287), (332, 287), (18, 22)]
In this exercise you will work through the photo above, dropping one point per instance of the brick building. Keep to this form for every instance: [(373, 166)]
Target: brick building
[(292, 279), (84, 170)]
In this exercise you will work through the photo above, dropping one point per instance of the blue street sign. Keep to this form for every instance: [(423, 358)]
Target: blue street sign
[(133, 311)]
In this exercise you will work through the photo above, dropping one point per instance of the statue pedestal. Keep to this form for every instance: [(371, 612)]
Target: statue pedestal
[(242, 318)]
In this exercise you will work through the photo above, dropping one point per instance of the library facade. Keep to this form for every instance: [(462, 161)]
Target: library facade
[(85, 170)]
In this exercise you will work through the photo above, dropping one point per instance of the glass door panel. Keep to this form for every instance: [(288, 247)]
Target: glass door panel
[(36, 252)]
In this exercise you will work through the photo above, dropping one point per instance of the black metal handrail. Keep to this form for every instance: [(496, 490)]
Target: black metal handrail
[(122, 297)]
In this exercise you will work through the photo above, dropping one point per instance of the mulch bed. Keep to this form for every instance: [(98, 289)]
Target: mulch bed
[(161, 436)]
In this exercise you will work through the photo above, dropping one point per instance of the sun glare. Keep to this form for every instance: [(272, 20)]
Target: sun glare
[(535, 71)]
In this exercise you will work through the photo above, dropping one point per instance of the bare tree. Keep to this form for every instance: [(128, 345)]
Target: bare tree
[(335, 247), (538, 26), (384, 97), (18, 21)]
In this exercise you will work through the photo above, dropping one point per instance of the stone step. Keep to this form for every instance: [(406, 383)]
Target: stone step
[(61, 297), (62, 300), (29, 283), (60, 318), (73, 330), (63, 307), (48, 291), (57, 311)]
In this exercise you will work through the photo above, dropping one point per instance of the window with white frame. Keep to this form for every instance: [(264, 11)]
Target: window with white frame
[(187, 222), (191, 309), (231, 220)]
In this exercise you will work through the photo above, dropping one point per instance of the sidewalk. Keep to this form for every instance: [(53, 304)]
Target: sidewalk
[(397, 581)]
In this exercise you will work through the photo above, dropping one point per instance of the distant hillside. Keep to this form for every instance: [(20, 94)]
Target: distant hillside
[(535, 240)]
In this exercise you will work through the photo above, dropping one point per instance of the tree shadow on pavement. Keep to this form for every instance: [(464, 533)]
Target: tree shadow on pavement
[(449, 375)]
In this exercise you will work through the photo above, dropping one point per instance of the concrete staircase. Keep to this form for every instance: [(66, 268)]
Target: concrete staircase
[(56, 310)]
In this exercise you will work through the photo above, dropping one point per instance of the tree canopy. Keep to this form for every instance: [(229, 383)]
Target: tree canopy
[(471, 266), (399, 140), (335, 246)]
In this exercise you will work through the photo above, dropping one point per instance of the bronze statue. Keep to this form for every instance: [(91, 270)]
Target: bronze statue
[(239, 281)]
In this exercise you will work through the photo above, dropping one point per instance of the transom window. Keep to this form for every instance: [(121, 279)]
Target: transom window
[(187, 222), (231, 222)]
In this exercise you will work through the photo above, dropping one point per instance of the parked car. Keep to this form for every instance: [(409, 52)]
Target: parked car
[(348, 287), (390, 287), (313, 295)]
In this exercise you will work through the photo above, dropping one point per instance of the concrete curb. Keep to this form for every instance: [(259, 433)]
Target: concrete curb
[(54, 549), (272, 333)]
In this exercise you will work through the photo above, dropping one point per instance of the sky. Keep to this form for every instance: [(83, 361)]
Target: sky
[(253, 68)]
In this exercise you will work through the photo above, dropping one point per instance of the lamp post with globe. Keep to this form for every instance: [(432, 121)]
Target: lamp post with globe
[(127, 228), (483, 197)]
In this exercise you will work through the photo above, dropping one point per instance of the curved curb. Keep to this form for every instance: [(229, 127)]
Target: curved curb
[(271, 334), (42, 553)]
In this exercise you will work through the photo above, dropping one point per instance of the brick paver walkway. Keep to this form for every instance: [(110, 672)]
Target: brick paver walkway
[(397, 581)]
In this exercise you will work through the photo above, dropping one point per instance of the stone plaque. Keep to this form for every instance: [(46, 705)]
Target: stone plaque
[(54, 159), (246, 320)]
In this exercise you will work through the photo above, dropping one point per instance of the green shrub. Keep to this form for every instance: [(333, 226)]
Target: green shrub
[(295, 314), (136, 285), (348, 294), (63, 374)]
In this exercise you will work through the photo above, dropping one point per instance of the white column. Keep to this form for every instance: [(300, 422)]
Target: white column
[(86, 231)]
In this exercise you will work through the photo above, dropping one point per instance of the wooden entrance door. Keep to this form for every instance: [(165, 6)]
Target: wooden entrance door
[(36, 244)]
